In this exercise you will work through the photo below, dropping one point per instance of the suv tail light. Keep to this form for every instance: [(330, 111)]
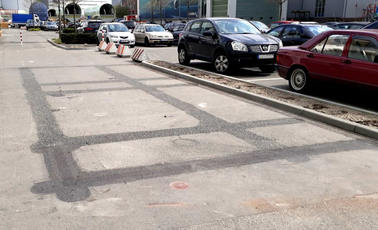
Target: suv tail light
[(88, 29)]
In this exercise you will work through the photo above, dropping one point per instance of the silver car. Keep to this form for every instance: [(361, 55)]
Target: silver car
[(148, 34), (116, 33)]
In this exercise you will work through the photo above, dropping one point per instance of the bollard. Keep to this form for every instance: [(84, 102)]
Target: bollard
[(22, 44), (110, 49), (123, 51), (138, 55), (102, 46)]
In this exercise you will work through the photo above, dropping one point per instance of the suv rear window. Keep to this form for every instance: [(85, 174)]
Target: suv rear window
[(374, 25), (94, 24)]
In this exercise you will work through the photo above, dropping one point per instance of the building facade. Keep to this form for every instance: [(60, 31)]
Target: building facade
[(266, 11), (132, 5), (351, 9)]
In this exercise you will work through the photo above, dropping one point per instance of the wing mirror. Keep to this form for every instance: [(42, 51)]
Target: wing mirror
[(376, 59)]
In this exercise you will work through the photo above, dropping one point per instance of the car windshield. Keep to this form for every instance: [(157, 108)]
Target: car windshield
[(235, 26), (260, 25), (156, 28), (50, 23), (315, 30), (117, 28)]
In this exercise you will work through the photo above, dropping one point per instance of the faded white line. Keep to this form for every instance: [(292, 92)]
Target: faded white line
[(266, 79)]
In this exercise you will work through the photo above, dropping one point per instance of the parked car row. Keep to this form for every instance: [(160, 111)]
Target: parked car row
[(323, 53), (147, 34), (43, 25)]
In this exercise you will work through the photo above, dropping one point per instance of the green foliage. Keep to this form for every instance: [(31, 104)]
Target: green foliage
[(69, 30), (79, 38), (57, 40), (121, 11)]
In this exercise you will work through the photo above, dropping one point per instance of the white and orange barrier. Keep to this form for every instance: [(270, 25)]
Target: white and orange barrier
[(110, 48), (138, 55), (123, 51), (102, 46)]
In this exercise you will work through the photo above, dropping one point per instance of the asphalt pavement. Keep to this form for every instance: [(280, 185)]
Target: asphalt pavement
[(93, 141)]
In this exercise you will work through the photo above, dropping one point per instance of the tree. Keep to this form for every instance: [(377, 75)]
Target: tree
[(280, 2), (121, 11), (75, 3)]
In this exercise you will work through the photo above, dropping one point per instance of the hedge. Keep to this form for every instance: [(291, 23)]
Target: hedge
[(68, 30), (79, 38)]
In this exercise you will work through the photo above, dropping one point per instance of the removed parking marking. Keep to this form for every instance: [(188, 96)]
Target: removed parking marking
[(266, 79)]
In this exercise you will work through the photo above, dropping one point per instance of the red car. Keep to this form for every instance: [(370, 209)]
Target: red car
[(345, 55)]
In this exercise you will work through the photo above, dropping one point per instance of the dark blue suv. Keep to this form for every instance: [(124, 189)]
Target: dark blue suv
[(227, 43)]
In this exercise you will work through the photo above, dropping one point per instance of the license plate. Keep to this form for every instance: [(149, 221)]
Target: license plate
[(124, 41), (266, 56), (164, 40)]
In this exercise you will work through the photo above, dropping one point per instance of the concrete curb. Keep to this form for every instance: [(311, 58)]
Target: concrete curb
[(311, 114), (67, 48)]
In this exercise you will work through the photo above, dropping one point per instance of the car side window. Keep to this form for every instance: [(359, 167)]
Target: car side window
[(195, 27), (207, 26), (335, 45), (292, 32), (355, 27), (319, 47), (276, 31), (363, 49)]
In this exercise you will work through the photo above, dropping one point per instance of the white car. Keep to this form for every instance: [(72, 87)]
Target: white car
[(152, 34), (116, 33)]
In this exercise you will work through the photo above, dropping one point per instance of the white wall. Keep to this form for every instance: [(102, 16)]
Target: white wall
[(231, 8), (354, 8), (284, 10), (208, 8)]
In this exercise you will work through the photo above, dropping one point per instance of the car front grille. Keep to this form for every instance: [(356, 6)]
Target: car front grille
[(123, 37), (264, 48)]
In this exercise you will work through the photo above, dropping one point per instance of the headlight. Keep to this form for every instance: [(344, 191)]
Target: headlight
[(237, 46), (280, 44)]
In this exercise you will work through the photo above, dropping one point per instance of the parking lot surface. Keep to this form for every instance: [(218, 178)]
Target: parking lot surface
[(352, 95), (92, 141)]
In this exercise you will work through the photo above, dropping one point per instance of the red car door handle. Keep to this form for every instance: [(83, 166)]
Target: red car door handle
[(347, 62), (310, 55)]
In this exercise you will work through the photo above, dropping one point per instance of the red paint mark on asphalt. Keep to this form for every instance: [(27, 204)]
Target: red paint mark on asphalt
[(179, 185)]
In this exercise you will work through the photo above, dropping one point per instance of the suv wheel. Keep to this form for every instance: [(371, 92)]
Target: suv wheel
[(183, 56), (146, 42), (298, 80), (268, 68), (221, 63)]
